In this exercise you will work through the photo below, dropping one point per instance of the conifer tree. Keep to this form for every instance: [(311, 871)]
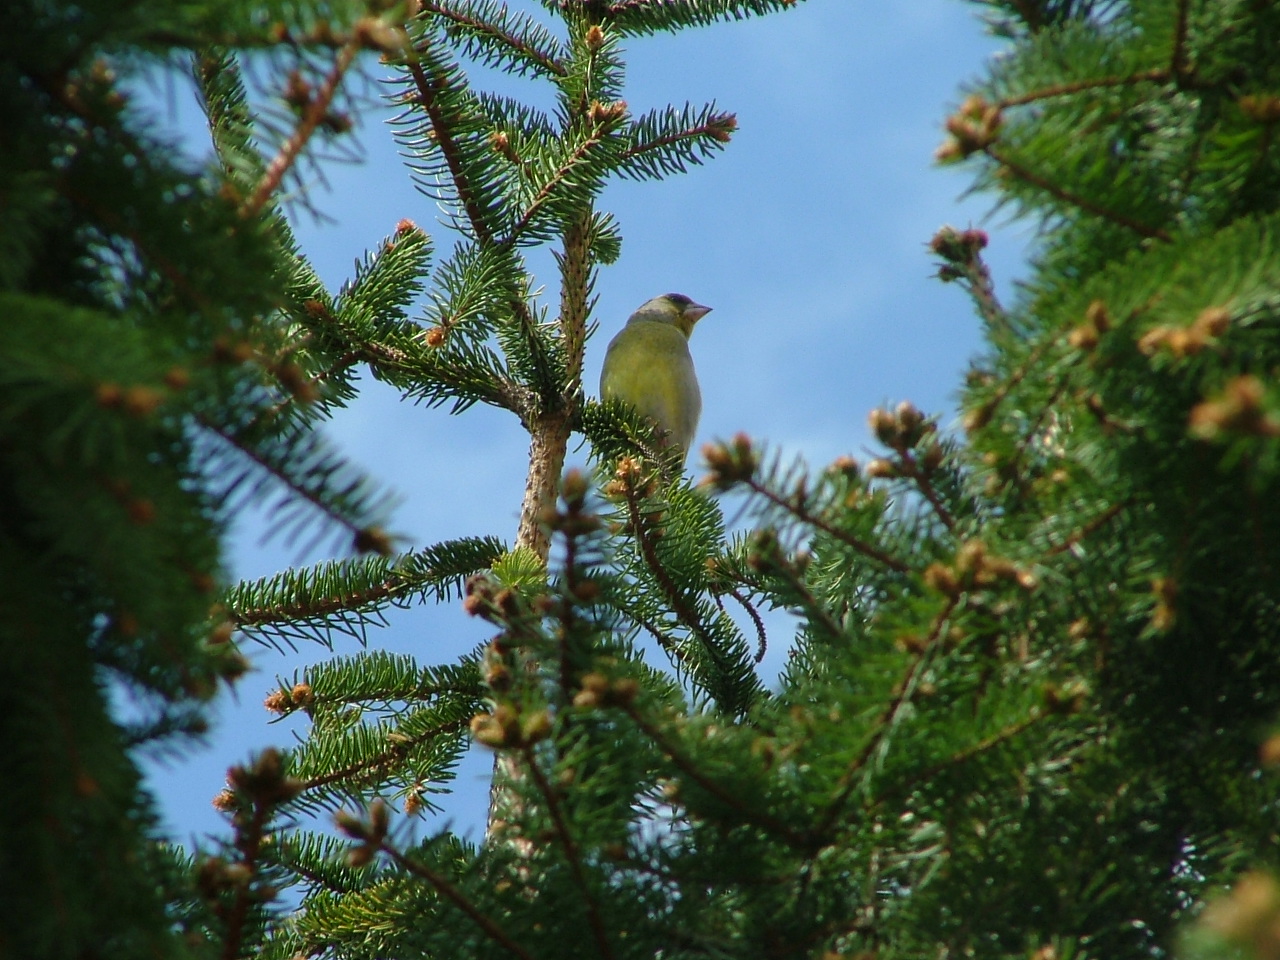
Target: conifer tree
[(150, 384), (1036, 660)]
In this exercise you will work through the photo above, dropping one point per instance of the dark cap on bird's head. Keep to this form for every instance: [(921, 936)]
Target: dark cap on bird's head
[(692, 310), (672, 308)]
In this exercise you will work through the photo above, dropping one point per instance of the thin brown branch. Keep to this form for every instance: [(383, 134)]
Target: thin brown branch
[(671, 591), (661, 638), (573, 854), (814, 609), (311, 496), (983, 414), (445, 139), (899, 787), (1037, 427), (475, 24), (1075, 200), (911, 470), (374, 767), (448, 144), (1179, 59), (905, 688), (249, 844), (548, 189), (455, 896), (762, 640), (717, 128), (1158, 75), (385, 592), (313, 114), (803, 514), (1094, 525), (801, 840), (961, 251)]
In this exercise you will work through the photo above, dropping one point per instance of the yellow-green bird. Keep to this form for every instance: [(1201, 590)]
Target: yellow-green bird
[(648, 365)]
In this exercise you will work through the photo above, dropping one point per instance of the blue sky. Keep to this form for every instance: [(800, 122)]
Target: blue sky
[(807, 236)]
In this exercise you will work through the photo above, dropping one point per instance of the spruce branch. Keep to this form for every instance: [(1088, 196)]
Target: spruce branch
[(226, 105), (300, 463), (305, 394), (572, 853), (372, 769), (766, 557), (499, 36), (349, 595), (800, 511), (441, 884), (904, 786), (961, 252), (147, 251), (650, 16), (663, 142), (756, 620), (315, 111), (905, 689), (234, 890), (646, 531), (1071, 199), (1049, 92), (1035, 433), (979, 416), (431, 81), (571, 168), (910, 467), (919, 452), (1089, 529), (738, 463), (805, 841)]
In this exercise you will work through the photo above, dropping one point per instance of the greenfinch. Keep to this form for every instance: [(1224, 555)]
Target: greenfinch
[(648, 365)]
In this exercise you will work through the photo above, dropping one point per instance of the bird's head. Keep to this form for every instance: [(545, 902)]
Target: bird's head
[(673, 308)]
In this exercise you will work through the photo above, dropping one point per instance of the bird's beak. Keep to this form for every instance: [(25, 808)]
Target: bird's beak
[(695, 312)]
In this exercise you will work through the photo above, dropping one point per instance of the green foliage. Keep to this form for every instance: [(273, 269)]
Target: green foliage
[(1033, 662), (146, 391)]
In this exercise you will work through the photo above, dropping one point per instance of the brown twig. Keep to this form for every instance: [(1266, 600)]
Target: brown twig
[(551, 65), (762, 639), (313, 114), (311, 496), (386, 757), (988, 408), (448, 144), (717, 128), (803, 514), (900, 787), (1097, 523), (1084, 203), (1158, 75), (249, 843), (801, 840), (673, 594), (911, 470), (455, 896), (548, 190), (884, 724), (572, 853)]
